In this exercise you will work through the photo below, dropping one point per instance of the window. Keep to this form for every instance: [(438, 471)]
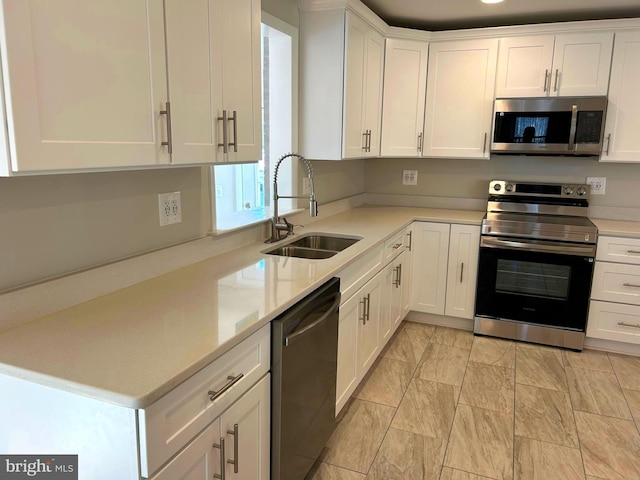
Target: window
[(242, 194)]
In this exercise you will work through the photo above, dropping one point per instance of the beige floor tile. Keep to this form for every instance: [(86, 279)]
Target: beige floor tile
[(591, 359), (427, 409), (359, 435), (453, 337), (451, 474), (425, 327), (330, 472), (540, 367), (408, 343), (610, 446), (535, 460), (387, 382), (481, 442), (545, 415), (596, 392), (444, 364), (493, 351), (589, 477), (633, 400), (627, 370), (408, 456), (488, 386)]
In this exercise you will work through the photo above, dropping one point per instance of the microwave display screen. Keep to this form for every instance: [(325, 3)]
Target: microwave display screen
[(532, 127)]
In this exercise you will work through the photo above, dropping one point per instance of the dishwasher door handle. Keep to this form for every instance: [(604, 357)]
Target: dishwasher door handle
[(333, 308)]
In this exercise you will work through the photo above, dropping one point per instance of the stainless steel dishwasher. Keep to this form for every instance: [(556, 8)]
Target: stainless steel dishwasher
[(303, 376)]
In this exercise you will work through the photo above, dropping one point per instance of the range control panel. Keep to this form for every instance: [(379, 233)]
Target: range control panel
[(527, 189)]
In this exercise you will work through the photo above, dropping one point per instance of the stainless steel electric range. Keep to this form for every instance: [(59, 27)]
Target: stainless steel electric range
[(537, 250)]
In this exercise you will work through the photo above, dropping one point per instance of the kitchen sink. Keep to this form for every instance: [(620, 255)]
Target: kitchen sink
[(314, 246)]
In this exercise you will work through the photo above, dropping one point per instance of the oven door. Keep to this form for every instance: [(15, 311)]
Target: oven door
[(534, 282)]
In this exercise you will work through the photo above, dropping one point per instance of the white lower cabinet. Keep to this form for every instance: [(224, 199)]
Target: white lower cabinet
[(444, 268)]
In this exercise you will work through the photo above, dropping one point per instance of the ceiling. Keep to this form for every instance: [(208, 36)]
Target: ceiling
[(455, 14)]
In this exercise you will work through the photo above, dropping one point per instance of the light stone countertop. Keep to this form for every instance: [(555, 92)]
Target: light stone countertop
[(134, 345), (617, 228)]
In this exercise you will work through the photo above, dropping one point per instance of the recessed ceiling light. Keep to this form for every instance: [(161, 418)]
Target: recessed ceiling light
[(491, 1)]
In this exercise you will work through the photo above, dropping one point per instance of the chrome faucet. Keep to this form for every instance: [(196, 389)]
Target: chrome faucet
[(280, 224)]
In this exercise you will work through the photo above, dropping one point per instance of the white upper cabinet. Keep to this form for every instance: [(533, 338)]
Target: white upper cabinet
[(84, 84), (236, 49), (460, 88), (561, 65), (622, 143), (341, 72), (128, 83), (405, 87)]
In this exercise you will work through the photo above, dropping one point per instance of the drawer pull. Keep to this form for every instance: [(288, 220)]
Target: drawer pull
[(232, 381), (635, 285), (235, 462), (410, 234), (637, 325), (220, 445), (633, 251), (397, 246)]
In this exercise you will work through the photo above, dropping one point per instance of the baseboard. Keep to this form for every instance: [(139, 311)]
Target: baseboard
[(442, 320), (612, 346)]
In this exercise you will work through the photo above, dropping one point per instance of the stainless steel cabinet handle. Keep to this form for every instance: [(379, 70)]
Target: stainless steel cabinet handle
[(399, 274), (461, 271), (234, 119), (364, 140), (220, 445), (363, 302), (608, 143), (636, 325), (368, 306), (546, 79), (169, 142), (555, 85), (396, 281), (484, 144), (397, 246), (633, 251), (369, 140), (225, 136), (420, 142), (630, 285), (235, 462), (410, 234), (232, 381)]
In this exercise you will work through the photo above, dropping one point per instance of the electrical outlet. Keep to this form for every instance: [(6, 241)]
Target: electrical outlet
[(306, 186), (169, 208), (410, 177), (598, 185)]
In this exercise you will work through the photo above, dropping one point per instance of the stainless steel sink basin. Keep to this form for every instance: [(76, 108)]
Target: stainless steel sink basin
[(314, 246)]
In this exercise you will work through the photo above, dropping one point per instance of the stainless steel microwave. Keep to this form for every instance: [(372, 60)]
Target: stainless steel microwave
[(549, 126)]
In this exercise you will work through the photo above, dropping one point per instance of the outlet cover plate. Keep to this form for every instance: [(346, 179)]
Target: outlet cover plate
[(169, 208), (410, 177), (598, 185)]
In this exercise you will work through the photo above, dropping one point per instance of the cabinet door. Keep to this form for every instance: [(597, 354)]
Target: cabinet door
[(248, 445), (237, 78), (200, 460), (189, 30), (429, 269), (84, 84), (347, 379), (405, 87), (458, 111), (622, 143), (354, 139), (524, 65), (372, 115), (581, 64), (369, 343), (462, 270)]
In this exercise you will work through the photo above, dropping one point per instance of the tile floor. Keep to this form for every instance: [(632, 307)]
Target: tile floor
[(442, 404)]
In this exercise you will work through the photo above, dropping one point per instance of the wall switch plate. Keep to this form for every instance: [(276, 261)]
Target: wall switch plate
[(306, 186), (169, 208), (410, 177), (598, 185)]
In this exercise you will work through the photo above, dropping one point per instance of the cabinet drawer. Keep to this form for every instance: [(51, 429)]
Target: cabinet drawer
[(357, 274), (614, 321), (171, 422), (616, 282), (621, 250), (394, 245)]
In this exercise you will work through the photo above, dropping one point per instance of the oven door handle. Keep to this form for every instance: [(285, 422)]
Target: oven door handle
[(492, 242)]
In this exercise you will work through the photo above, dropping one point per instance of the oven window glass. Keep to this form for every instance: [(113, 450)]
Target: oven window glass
[(534, 279)]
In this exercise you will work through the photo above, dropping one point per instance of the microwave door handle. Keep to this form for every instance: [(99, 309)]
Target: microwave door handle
[(573, 128)]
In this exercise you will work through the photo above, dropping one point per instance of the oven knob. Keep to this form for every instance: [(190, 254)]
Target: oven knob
[(497, 187), (568, 191), (582, 191), (509, 187)]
